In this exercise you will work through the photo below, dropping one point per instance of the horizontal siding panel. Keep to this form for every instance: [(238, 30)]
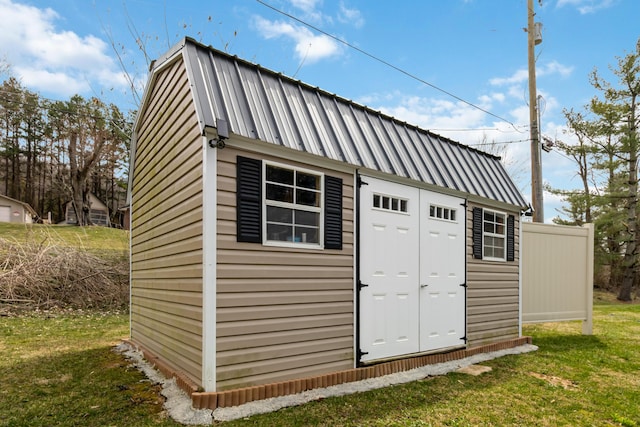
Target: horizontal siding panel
[(283, 257), (174, 227), (274, 377), (286, 363), (179, 259), (186, 232), (175, 158), (484, 309), (170, 81), (492, 336), (235, 314), (495, 316), (189, 325), (189, 198), (173, 165), (182, 183), (176, 217), (189, 312), (164, 125), (490, 267), (491, 325), (283, 351), (491, 293), (279, 271), (492, 301), (283, 324), (243, 299), (189, 285), (226, 213), (284, 285), (174, 353), (181, 272), (173, 338), (177, 297), (499, 277), (502, 285), (193, 244), (237, 342)]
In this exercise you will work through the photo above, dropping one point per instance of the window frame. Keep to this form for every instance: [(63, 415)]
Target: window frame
[(293, 206), (503, 236), (401, 203), (433, 213)]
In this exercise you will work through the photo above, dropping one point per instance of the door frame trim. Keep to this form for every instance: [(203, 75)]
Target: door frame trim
[(359, 182)]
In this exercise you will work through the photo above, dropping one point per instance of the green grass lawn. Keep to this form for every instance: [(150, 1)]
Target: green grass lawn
[(59, 369), (97, 239)]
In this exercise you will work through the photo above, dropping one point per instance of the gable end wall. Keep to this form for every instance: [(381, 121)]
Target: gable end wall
[(166, 234)]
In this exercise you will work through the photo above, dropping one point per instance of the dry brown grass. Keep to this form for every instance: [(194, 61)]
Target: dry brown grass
[(42, 275)]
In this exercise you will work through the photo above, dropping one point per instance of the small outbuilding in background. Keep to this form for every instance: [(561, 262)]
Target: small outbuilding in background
[(15, 211), (285, 238), (98, 212)]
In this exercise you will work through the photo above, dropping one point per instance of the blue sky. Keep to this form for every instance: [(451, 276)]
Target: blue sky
[(473, 49)]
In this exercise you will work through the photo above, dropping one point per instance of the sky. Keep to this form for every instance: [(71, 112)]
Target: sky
[(457, 67)]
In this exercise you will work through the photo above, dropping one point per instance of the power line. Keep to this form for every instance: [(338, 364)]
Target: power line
[(388, 64), (481, 144)]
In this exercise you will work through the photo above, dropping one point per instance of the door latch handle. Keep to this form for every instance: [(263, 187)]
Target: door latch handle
[(424, 285)]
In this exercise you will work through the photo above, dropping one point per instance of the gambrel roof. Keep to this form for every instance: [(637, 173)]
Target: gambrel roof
[(260, 104)]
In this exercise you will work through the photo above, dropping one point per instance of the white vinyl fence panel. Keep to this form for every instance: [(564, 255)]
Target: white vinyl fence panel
[(557, 273)]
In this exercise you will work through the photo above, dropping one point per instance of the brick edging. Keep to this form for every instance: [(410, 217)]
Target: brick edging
[(221, 399)]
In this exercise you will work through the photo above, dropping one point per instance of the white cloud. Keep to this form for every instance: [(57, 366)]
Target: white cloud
[(522, 75), (310, 10), (308, 6), (587, 6), (347, 15), (517, 77), (308, 46), (31, 78), (554, 68), (46, 58)]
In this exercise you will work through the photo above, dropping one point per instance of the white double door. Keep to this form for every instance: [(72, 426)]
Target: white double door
[(412, 270)]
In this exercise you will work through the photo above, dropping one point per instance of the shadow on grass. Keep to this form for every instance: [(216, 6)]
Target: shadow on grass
[(90, 387), (568, 343)]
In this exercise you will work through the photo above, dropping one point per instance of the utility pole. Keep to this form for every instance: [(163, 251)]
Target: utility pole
[(536, 165)]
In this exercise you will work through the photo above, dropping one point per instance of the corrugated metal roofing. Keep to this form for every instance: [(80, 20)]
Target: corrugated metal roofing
[(261, 104)]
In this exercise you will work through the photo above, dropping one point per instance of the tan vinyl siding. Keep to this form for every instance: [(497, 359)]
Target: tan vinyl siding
[(492, 292), (166, 236), (282, 313)]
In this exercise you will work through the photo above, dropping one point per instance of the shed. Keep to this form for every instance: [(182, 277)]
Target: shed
[(284, 238), (98, 212), (12, 210)]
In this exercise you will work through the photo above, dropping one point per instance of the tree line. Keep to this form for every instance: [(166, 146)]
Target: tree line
[(606, 156), (56, 152)]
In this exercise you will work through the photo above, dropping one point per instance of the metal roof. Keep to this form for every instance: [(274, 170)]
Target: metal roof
[(261, 104)]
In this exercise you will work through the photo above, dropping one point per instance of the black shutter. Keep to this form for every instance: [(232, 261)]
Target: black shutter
[(477, 233), (511, 240), (249, 200), (332, 212)]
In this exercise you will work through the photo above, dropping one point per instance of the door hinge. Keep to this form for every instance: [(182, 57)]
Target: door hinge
[(361, 182), (361, 353), (361, 285), (464, 285)]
